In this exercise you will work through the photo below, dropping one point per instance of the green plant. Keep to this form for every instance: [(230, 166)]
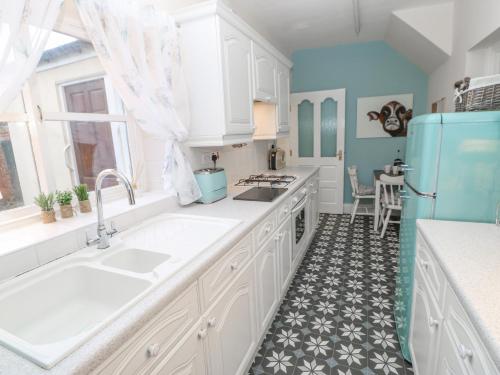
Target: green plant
[(81, 192), (64, 197), (45, 201)]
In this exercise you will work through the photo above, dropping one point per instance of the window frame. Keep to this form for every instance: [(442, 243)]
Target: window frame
[(34, 117)]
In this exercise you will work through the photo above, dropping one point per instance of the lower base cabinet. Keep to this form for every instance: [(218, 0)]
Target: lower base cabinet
[(187, 358), (427, 325), (443, 339), (448, 362), (231, 327), (268, 293)]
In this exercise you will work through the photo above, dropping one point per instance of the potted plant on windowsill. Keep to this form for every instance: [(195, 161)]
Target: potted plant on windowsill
[(46, 203), (82, 194), (64, 198)]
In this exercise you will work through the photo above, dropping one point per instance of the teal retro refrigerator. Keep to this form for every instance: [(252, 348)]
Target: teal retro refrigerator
[(452, 173)]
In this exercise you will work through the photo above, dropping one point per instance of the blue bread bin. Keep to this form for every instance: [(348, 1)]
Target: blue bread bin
[(212, 183)]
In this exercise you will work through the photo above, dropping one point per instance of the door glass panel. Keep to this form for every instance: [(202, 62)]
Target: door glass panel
[(306, 129), (329, 128)]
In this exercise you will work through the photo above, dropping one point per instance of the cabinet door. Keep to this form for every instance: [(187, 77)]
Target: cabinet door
[(268, 290), (265, 74), (232, 333), (187, 358), (284, 237), (283, 98), (237, 70), (448, 362), (425, 327)]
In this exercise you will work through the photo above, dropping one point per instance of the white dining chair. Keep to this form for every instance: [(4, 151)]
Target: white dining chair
[(359, 191), (390, 188)]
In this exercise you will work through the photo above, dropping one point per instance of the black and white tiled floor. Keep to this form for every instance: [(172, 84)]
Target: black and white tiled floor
[(336, 318)]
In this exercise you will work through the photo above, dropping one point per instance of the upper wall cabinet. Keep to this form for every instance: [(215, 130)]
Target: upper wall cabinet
[(283, 81), (237, 72), (264, 74), (227, 66)]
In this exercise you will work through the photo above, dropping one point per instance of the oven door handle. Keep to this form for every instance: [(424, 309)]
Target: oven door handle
[(299, 206)]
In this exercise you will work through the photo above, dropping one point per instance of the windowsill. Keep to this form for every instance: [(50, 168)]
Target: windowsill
[(32, 231)]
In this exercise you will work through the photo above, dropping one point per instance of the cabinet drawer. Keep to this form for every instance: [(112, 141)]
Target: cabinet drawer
[(431, 270), (264, 230), (225, 270), (426, 324), (156, 338), (468, 345), (284, 212), (448, 361)]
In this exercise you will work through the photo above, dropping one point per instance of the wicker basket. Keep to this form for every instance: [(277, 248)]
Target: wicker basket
[(483, 97)]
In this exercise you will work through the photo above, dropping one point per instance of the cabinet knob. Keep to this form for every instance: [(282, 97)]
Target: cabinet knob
[(464, 352), (202, 333), (268, 228), (433, 323), (153, 350), (424, 264), (234, 266), (212, 322), (286, 210)]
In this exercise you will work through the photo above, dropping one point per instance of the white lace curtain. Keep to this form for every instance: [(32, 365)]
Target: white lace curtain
[(24, 29), (138, 46)]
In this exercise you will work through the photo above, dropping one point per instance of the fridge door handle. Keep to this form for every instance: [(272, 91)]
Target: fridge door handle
[(421, 194)]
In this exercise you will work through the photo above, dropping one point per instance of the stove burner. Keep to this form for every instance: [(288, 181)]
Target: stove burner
[(266, 179)]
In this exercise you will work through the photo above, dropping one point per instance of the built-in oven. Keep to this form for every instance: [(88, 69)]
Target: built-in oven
[(299, 223)]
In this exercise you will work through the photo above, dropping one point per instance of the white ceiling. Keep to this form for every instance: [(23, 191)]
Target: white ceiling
[(297, 24)]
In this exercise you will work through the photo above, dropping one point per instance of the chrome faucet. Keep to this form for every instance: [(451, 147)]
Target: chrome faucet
[(103, 235)]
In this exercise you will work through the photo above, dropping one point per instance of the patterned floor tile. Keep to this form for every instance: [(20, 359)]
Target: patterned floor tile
[(336, 317)]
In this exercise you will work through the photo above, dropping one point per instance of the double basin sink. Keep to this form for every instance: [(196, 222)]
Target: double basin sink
[(47, 313)]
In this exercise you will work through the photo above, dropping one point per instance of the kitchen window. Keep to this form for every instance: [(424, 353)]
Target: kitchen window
[(67, 125)]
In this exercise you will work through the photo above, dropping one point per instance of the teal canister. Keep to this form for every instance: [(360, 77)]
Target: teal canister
[(212, 183)]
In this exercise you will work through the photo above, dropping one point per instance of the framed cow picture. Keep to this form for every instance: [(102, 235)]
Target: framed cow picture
[(384, 116)]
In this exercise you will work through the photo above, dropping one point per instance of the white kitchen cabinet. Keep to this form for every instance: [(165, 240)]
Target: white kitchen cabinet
[(187, 358), (225, 270), (231, 327), (284, 239), (221, 73), (237, 71), (156, 339), (265, 66), (448, 362), (426, 326), (268, 289), (443, 339), (283, 81), (466, 341)]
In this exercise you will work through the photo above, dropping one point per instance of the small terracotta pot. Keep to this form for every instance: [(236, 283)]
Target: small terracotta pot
[(66, 211), (48, 216), (85, 206)]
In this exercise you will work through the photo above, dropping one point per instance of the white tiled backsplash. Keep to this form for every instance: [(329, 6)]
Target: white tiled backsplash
[(33, 245)]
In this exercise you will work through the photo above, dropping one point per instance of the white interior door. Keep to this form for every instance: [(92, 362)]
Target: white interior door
[(317, 139)]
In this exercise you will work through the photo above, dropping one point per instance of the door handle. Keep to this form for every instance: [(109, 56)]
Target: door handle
[(340, 154)]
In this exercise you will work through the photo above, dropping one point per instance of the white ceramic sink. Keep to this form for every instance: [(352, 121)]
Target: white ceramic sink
[(136, 260), (45, 318), (47, 313), (182, 236)]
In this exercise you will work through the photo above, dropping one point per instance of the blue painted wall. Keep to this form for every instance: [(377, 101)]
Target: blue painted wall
[(363, 69)]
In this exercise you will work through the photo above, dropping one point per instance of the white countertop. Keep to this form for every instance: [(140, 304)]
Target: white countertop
[(469, 254), (100, 347)]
